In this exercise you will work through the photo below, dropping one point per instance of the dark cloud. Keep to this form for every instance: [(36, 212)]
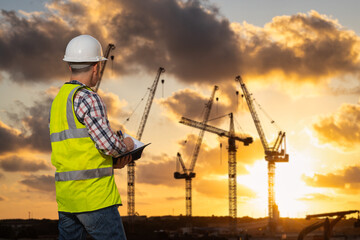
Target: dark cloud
[(32, 48), (2, 198), (44, 183), (9, 139), (189, 38), (35, 128), (191, 104), (340, 129), (17, 164), (347, 180), (192, 41)]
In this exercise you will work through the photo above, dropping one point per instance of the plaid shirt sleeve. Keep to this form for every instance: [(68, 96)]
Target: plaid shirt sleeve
[(90, 110)]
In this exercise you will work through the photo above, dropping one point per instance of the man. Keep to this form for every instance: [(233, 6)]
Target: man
[(83, 149)]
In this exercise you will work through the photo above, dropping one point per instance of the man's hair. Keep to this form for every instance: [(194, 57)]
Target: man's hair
[(77, 68)]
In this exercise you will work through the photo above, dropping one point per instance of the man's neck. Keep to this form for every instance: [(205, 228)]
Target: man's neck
[(80, 78)]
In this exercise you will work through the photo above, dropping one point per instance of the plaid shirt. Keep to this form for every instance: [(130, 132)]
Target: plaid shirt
[(90, 110)]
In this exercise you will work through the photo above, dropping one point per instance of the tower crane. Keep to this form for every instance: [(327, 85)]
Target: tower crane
[(131, 165), (106, 55), (188, 173), (273, 154), (232, 137)]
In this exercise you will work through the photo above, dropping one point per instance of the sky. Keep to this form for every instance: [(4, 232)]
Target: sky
[(300, 61)]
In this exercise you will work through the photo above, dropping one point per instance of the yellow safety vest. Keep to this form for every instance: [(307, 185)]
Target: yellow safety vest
[(84, 177)]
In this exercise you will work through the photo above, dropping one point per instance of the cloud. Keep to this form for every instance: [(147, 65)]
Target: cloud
[(2, 198), (160, 170), (188, 103), (340, 129), (347, 179), (302, 47), (19, 164), (34, 122), (9, 139), (189, 38), (316, 197), (115, 109), (44, 183), (114, 106), (32, 47)]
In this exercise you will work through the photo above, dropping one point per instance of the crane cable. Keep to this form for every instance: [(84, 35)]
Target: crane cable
[(267, 115), (238, 126), (142, 99)]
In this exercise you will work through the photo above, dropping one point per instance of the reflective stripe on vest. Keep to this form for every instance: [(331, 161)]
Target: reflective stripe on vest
[(69, 133), (72, 132), (84, 174)]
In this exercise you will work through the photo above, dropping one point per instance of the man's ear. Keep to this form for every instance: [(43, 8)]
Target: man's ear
[(95, 67)]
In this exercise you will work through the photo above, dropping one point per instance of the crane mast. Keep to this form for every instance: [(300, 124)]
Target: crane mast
[(149, 103), (131, 165), (188, 174), (202, 131), (253, 113), (232, 137), (106, 55), (272, 155)]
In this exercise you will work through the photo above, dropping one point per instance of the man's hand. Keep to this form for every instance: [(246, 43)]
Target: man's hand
[(122, 162), (129, 144)]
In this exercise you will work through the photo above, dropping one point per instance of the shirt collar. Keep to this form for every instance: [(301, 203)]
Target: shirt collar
[(75, 82)]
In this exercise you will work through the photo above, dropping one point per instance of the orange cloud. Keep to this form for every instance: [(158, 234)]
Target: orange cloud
[(346, 180), (301, 47), (115, 110), (316, 197), (340, 129)]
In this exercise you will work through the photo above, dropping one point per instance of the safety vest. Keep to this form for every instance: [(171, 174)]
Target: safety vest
[(84, 177)]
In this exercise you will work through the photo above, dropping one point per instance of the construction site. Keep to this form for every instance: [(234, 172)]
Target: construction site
[(332, 225), (316, 226)]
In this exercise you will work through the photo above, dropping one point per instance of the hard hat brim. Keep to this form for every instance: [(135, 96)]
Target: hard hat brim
[(96, 59)]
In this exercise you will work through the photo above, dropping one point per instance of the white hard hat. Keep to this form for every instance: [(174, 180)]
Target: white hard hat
[(84, 48)]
